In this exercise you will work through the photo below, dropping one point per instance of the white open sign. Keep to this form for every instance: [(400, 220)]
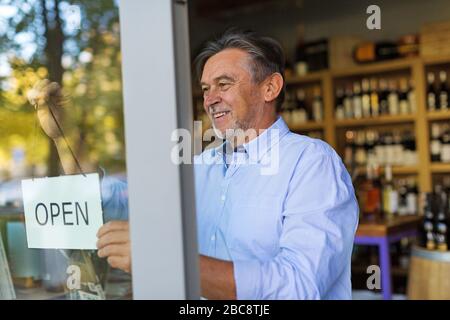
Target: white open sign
[(62, 212)]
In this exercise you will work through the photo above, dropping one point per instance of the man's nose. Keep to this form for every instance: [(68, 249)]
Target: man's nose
[(211, 99)]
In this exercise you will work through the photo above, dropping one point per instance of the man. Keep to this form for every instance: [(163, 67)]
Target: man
[(282, 234)]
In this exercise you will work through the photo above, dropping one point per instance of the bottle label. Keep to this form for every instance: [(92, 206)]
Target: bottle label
[(357, 105), (380, 154), (404, 107), (435, 147), (340, 114), (348, 108), (445, 153), (393, 104), (317, 111), (366, 106), (431, 100), (443, 100), (411, 203), (393, 201), (390, 154)]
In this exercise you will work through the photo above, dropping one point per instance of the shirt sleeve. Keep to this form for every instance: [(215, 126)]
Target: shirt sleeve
[(319, 222), (114, 198)]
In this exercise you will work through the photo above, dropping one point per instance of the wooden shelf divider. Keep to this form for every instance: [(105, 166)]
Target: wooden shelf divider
[(381, 120), (440, 167), (306, 126), (438, 115), (307, 78), (380, 67)]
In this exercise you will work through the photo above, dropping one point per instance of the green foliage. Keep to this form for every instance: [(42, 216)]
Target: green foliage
[(92, 80)]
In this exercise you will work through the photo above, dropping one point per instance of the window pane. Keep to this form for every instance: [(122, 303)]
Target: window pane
[(75, 44)]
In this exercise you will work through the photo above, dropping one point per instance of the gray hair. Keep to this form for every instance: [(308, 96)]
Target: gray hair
[(266, 55)]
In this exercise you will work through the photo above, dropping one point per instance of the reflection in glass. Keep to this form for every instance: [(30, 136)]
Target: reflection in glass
[(75, 44)]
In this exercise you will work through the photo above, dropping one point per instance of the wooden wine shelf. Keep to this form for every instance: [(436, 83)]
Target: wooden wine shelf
[(380, 67), (376, 121), (416, 67), (396, 170), (440, 167), (429, 61), (438, 115), (404, 170), (307, 126), (307, 78)]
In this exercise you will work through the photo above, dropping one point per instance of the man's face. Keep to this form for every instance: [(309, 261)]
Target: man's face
[(231, 98)]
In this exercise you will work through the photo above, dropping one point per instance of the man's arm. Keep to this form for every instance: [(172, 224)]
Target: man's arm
[(217, 279), (216, 276), (67, 159), (320, 215), (48, 100)]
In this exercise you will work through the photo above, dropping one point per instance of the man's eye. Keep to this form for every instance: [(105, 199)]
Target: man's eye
[(204, 90), (224, 85)]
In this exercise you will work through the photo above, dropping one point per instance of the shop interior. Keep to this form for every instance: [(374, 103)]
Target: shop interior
[(377, 91), (380, 98)]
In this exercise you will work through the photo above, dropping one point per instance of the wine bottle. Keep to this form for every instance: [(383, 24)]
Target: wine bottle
[(370, 52), (445, 143), (349, 152), (317, 105), (384, 93), (435, 144), (370, 194), (288, 108), (404, 107), (431, 92), (411, 196), (348, 102), (393, 103), (428, 240), (374, 100), (412, 97), (389, 148), (365, 99), (402, 204), (443, 91), (357, 101), (441, 226), (360, 152), (340, 112), (390, 195), (398, 149), (300, 113)]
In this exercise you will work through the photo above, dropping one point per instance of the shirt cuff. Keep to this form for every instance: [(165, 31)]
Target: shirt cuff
[(247, 276)]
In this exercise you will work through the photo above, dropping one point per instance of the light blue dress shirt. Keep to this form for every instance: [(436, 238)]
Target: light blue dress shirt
[(282, 208), (289, 230)]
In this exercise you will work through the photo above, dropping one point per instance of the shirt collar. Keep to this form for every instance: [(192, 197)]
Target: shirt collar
[(258, 147)]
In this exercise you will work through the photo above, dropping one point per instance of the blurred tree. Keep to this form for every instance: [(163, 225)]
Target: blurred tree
[(54, 43), (40, 22), (77, 44)]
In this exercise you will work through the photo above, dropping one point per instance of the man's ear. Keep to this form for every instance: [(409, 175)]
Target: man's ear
[(273, 86)]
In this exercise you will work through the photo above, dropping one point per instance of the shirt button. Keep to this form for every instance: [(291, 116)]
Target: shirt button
[(222, 197), (213, 238)]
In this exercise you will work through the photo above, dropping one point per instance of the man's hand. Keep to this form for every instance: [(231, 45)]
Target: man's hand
[(46, 96), (114, 244)]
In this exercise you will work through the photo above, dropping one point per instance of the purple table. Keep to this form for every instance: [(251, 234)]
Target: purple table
[(381, 233)]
